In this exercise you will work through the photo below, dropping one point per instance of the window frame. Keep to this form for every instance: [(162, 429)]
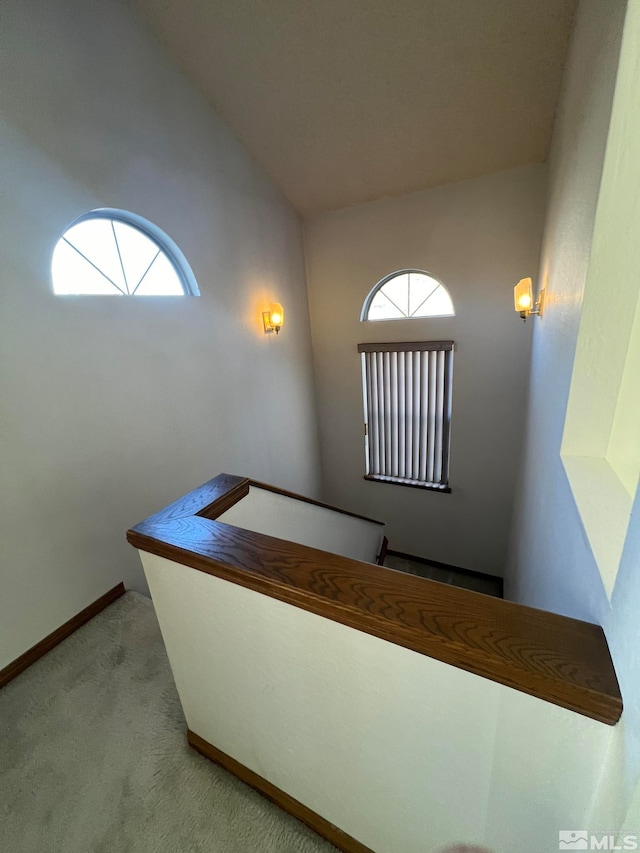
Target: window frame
[(372, 423), (161, 239), (371, 295)]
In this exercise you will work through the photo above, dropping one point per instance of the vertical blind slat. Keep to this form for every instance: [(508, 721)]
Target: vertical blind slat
[(436, 417), (431, 394), (365, 406), (401, 416), (423, 472), (418, 404), (393, 383), (408, 425), (419, 415), (373, 426), (428, 416), (381, 436), (387, 413), (437, 447), (369, 441), (424, 419)]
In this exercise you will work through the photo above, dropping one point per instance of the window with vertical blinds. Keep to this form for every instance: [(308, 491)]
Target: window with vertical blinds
[(407, 412)]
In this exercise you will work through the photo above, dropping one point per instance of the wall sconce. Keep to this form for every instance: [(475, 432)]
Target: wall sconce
[(273, 319), (523, 299)]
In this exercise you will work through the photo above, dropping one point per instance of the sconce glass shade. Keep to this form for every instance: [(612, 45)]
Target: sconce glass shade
[(273, 318), (523, 296)]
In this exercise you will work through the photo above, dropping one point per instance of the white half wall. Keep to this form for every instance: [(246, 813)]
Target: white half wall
[(401, 751), (479, 238), (307, 524), (112, 407)]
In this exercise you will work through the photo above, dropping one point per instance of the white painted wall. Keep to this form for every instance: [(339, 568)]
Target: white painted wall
[(307, 524), (601, 440), (401, 751), (479, 237), (552, 565), (113, 407)]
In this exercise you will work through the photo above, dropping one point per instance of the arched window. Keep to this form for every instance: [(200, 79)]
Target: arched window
[(407, 294), (113, 252)]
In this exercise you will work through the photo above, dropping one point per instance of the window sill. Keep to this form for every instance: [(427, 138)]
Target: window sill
[(412, 484)]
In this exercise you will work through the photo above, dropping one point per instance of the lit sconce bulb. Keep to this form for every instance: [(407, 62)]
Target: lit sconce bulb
[(273, 319), (524, 302), (277, 315)]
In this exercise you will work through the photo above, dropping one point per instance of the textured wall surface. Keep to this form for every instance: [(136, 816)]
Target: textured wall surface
[(297, 521), (479, 237), (112, 407), (401, 751), (593, 171)]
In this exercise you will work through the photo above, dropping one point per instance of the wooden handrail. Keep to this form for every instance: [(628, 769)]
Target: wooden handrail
[(560, 660)]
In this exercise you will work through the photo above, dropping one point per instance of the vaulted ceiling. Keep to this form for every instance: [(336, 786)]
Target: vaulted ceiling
[(344, 101)]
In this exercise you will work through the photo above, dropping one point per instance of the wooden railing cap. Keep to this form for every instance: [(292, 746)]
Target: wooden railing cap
[(560, 660)]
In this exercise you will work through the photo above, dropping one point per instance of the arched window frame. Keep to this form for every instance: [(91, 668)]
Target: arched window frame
[(367, 302), (161, 239)]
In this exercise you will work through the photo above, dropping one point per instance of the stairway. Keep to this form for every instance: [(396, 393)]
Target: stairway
[(463, 578)]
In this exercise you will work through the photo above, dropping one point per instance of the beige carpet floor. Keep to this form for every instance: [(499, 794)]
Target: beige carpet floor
[(93, 756)]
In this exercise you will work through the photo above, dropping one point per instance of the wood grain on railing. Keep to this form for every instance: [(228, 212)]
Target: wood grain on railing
[(557, 659)]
